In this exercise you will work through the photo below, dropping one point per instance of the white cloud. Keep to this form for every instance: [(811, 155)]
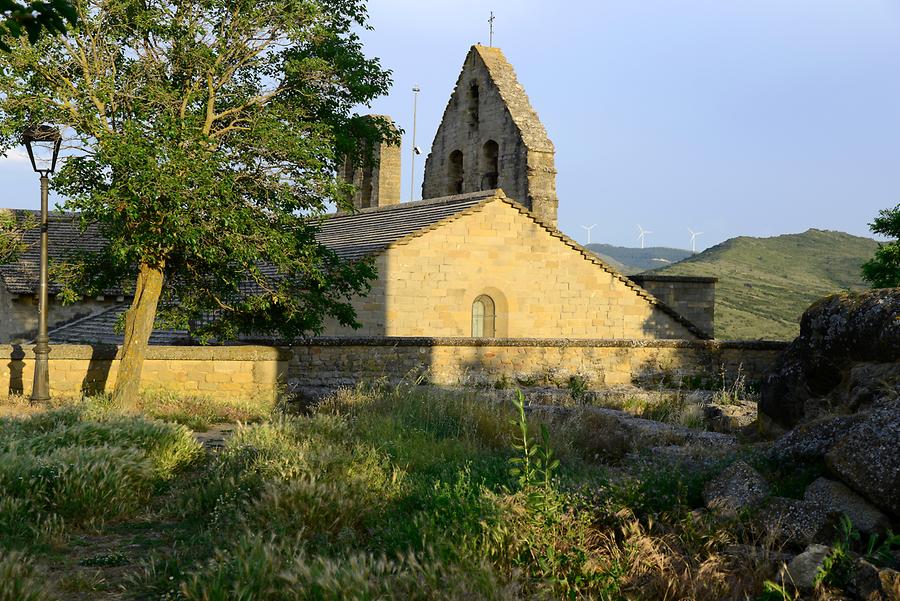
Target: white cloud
[(15, 155)]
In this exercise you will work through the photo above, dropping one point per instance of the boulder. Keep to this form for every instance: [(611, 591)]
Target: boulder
[(864, 517), (738, 487), (804, 569), (798, 522), (812, 440), (867, 458), (813, 376)]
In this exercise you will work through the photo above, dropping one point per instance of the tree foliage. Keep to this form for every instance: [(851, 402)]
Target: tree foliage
[(883, 270), (31, 18), (12, 227), (204, 137)]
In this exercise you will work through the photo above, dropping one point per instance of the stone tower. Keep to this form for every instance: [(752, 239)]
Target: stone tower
[(378, 181), (491, 137)]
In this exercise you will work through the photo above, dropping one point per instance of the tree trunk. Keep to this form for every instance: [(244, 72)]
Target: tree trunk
[(138, 327)]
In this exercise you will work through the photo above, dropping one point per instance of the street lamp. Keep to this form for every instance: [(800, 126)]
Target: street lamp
[(42, 142)]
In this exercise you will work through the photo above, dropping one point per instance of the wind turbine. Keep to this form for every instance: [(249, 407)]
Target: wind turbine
[(589, 228), (642, 234), (694, 240)]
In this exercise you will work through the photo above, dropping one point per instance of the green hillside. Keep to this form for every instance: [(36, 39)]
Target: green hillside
[(765, 284), (635, 260)]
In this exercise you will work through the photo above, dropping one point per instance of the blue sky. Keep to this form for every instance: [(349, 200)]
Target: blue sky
[(731, 117)]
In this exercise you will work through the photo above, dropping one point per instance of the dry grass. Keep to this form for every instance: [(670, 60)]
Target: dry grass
[(196, 412)]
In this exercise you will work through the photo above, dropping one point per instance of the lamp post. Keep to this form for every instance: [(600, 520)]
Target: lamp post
[(42, 142)]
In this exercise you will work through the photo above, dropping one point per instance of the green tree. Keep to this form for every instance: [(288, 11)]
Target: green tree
[(30, 18), (883, 270), (12, 227), (205, 137)]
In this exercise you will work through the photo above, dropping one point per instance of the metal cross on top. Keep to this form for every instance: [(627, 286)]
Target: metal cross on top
[(491, 22)]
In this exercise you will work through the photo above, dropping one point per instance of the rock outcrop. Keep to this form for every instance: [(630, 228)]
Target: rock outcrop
[(867, 458), (864, 517), (837, 388), (846, 359)]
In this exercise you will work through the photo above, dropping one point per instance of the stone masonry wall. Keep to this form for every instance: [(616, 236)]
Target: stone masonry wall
[(541, 285), (334, 362), (692, 297), (241, 372), (19, 314), (224, 372), (497, 113)]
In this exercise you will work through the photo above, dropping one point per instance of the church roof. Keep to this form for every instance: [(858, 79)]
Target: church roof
[(513, 94), (370, 231)]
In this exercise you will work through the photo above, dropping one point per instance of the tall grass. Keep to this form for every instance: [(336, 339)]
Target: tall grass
[(383, 493), (18, 580), (62, 469)]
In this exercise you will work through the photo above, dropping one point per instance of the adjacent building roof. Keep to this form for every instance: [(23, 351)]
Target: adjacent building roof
[(65, 238), (100, 328)]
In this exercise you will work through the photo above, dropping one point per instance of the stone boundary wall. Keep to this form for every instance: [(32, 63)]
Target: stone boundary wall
[(220, 372), (339, 361), (254, 371)]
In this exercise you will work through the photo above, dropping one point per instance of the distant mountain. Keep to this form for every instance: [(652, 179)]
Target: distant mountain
[(765, 284), (635, 260)]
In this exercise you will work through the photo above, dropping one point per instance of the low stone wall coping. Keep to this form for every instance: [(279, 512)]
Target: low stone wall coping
[(775, 345), (172, 353)]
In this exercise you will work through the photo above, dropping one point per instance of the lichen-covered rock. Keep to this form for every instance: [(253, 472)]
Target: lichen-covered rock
[(864, 517), (812, 440), (813, 376), (798, 522), (804, 569), (867, 458), (738, 487)]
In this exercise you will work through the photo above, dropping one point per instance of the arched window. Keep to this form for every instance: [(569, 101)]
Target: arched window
[(484, 317), (455, 173), (490, 172), (473, 105)]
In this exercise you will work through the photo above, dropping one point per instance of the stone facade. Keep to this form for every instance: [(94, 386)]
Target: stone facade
[(19, 314), (377, 181), (490, 137), (224, 372), (541, 284), (335, 362), (693, 297)]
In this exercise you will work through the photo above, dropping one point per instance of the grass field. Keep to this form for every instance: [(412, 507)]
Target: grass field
[(765, 284), (401, 493)]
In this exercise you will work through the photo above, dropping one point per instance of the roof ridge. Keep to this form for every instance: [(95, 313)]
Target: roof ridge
[(437, 201), (498, 195)]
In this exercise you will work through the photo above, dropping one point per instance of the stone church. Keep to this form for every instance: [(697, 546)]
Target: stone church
[(479, 256)]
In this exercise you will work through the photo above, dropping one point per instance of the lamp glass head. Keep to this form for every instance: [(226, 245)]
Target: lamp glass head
[(43, 143)]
